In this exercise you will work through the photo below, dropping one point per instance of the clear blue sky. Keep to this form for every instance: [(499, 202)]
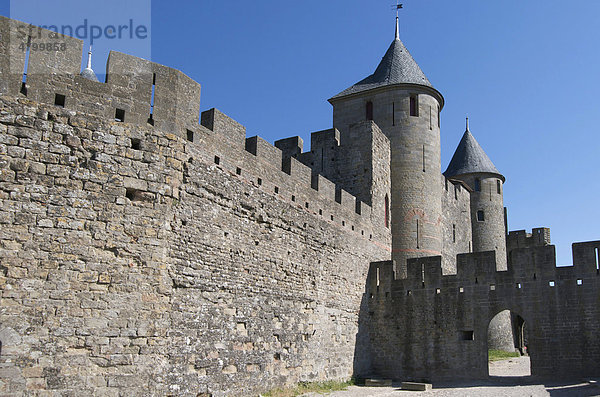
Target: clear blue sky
[(526, 72)]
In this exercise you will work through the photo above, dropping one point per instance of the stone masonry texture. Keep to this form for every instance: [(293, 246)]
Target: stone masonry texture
[(153, 250)]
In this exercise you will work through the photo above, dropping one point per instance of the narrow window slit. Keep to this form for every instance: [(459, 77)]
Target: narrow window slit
[(151, 117), (190, 135), (369, 110), (417, 234), (387, 211), (25, 67), (414, 106), (430, 118)]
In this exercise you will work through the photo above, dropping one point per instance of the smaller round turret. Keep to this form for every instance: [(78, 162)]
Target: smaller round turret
[(472, 166)]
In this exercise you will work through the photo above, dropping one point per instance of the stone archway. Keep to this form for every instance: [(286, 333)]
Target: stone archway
[(515, 363)]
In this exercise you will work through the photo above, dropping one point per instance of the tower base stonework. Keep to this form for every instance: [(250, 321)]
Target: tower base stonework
[(500, 332)]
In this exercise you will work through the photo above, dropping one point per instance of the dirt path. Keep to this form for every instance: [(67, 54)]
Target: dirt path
[(509, 378)]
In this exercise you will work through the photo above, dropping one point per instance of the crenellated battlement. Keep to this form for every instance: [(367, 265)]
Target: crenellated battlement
[(434, 326), (521, 239), (126, 94), (529, 265), (126, 97)]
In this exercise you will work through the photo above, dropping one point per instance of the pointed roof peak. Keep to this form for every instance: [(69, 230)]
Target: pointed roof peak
[(470, 158), (396, 67), (397, 28), (88, 72)]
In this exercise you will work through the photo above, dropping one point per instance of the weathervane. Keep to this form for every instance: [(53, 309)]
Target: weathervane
[(397, 7)]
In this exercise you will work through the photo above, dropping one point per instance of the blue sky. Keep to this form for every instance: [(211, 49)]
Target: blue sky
[(526, 73)]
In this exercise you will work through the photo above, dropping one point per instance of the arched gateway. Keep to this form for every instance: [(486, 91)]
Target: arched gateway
[(430, 326)]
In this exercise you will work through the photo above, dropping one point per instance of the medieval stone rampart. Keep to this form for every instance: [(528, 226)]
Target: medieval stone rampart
[(433, 326), (162, 256)]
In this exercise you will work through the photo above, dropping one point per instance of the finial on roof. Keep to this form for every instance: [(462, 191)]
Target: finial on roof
[(468, 123), (89, 63), (398, 7), (88, 73)]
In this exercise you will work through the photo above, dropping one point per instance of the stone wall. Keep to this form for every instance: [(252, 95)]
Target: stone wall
[(456, 224), (132, 261), (128, 86), (434, 327), (358, 162)]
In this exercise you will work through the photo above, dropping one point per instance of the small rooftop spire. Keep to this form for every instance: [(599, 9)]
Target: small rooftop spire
[(398, 7), (468, 123), (89, 63), (88, 72)]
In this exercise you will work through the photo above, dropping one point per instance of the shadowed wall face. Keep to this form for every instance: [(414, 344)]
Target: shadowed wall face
[(559, 306)]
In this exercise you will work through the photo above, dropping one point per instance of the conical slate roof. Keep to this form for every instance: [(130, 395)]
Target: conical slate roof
[(396, 67), (89, 74), (470, 158)]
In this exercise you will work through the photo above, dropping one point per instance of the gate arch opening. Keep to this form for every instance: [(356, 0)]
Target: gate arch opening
[(508, 359)]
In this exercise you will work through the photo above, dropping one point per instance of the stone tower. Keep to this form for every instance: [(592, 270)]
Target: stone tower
[(472, 166), (403, 103)]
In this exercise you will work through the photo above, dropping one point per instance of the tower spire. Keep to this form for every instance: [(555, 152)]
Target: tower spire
[(88, 73), (89, 62), (468, 123), (398, 7)]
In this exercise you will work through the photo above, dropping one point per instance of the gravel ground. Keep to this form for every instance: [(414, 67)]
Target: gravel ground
[(508, 379)]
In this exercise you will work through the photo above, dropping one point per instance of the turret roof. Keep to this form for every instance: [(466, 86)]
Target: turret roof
[(470, 158), (396, 67)]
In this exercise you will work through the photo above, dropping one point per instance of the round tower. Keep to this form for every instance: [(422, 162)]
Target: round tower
[(472, 166), (405, 106)]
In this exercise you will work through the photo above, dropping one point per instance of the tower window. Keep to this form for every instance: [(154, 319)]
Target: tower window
[(369, 110), (480, 216), (439, 115), (417, 235), (477, 185), (430, 117), (498, 186), (414, 105), (453, 233)]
